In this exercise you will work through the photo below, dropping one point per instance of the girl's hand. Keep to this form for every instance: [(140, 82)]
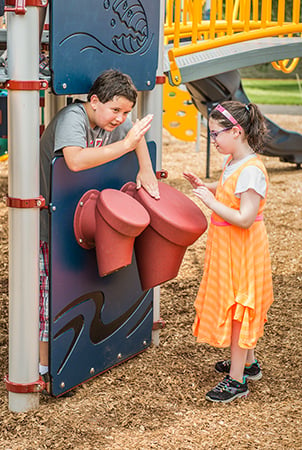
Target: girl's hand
[(206, 196), (193, 179)]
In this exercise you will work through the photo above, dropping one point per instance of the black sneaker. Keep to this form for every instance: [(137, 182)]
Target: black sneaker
[(252, 373), (227, 390)]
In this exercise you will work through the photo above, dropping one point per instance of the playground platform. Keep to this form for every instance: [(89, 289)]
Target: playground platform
[(215, 61)]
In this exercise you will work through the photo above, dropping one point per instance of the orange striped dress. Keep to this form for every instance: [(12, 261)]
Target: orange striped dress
[(237, 280)]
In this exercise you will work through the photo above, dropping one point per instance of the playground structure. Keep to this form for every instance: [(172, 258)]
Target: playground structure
[(237, 34), (23, 88), (227, 86), (234, 38)]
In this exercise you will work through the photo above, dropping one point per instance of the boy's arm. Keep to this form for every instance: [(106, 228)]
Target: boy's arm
[(146, 177), (78, 158)]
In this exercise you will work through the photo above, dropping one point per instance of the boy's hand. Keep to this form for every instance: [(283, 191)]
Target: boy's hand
[(193, 179), (147, 180), (138, 131)]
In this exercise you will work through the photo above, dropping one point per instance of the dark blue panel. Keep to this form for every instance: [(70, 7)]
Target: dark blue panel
[(88, 37), (95, 322)]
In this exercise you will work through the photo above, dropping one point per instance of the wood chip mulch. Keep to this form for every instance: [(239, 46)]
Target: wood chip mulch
[(156, 400)]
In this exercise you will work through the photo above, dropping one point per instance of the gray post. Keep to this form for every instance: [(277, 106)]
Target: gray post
[(23, 183), (151, 102)]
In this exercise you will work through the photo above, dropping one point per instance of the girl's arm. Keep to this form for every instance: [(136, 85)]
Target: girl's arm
[(196, 182), (244, 217)]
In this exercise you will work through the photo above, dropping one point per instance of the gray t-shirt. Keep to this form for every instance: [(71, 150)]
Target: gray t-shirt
[(70, 128)]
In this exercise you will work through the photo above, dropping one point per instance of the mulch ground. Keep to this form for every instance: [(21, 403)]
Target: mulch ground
[(156, 400)]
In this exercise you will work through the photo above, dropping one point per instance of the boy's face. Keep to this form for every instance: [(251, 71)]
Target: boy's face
[(111, 114)]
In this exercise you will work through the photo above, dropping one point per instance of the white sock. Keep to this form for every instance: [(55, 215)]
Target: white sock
[(43, 369)]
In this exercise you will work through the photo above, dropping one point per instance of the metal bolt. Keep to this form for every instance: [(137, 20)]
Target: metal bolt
[(145, 342), (62, 385), (54, 208), (80, 240), (39, 202), (119, 356), (148, 83), (81, 203), (64, 85), (92, 371), (176, 78)]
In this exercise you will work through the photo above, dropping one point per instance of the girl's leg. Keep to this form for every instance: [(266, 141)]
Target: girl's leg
[(238, 354), (232, 387), (250, 359)]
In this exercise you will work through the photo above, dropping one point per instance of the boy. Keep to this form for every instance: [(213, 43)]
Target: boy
[(89, 134)]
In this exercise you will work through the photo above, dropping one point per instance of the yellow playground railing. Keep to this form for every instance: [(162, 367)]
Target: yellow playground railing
[(190, 27)]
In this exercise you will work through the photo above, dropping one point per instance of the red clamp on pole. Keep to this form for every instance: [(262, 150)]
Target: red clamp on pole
[(19, 6), (161, 174), (25, 388), (160, 324), (160, 79), (31, 85), (38, 202)]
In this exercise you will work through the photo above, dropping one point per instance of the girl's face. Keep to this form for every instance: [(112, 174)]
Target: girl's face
[(222, 137)]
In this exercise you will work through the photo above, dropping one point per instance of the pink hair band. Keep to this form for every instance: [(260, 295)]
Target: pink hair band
[(227, 115)]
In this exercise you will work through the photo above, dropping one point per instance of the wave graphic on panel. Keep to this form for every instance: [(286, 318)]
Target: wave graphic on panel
[(99, 330), (124, 29)]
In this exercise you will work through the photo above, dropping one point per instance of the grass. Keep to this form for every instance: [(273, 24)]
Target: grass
[(273, 92)]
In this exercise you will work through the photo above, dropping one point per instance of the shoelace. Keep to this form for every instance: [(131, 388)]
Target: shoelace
[(222, 386), (226, 363)]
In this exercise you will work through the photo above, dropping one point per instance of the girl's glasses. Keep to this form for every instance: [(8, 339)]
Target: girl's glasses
[(215, 134)]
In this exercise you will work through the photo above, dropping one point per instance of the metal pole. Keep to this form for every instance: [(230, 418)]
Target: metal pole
[(197, 145), (23, 183), (151, 102), (208, 144)]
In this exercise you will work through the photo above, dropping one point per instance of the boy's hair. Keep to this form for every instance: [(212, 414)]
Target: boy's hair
[(249, 117), (113, 83)]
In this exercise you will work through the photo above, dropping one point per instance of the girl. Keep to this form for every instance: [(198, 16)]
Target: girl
[(236, 288)]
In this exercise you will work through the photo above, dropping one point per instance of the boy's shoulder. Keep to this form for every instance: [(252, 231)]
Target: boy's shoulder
[(77, 105), (70, 111)]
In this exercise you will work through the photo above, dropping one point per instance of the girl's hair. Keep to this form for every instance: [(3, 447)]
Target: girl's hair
[(113, 83), (249, 117)]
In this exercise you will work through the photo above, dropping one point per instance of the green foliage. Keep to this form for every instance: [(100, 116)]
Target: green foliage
[(273, 92)]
